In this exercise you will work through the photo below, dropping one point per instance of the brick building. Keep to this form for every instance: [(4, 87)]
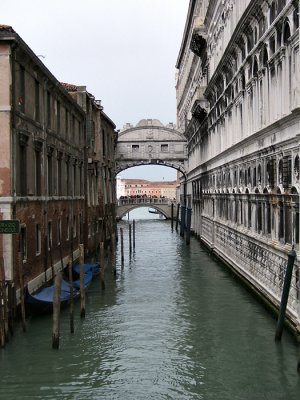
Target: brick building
[(53, 170)]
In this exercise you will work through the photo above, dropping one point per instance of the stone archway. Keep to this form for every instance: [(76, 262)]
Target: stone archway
[(151, 143)]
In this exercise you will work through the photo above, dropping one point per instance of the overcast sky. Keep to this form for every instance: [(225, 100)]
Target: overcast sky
[(124, 51)]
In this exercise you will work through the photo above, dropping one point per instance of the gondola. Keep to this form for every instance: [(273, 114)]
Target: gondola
[(42, 301)]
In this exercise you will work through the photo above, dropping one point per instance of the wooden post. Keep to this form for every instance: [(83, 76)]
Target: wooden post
[(56, 311), (2, 329), (298, 364), (82, 290), (285, 294), (102, 265), (10, 311), (21, 281), (188, 225), (2, 318), (61, 256), (70, 266), (122, 247), (51, 259), (133, 234), (3, 299), (113, 252), (177, 216), (130, 240), (46, 257), (182, 220), (172, 215)]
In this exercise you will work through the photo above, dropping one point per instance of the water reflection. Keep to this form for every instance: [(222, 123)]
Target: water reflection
[(173, 324)]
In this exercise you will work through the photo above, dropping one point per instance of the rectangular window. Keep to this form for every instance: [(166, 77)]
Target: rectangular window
[(73, 128), (37, 100), (21, 99), (23, 170), (37, 239), (23, 243), (164, 148), (67, 124), (249, 214), (74, 180), (49, 174), (103, 143), (38, 173), (259, 217), (135, 148), (48, 109), (59, 175), (58, 117), (68, 177)]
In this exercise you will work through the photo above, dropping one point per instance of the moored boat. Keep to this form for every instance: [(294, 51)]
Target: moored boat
[(42, 301)]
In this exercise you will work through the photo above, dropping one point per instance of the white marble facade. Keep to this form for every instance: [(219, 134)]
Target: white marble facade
[(238, 104)]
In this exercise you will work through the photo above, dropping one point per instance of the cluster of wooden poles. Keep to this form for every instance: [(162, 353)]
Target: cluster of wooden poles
[(8, 295), (131, 241), (57, 284)]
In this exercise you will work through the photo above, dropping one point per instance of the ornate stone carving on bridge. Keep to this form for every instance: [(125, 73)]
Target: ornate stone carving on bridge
[(151, 142)]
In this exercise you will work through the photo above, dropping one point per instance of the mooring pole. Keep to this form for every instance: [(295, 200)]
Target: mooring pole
[(4, 299), (102, 265), (182, 220), (172, 215), (177, 217), (21, 281), (82, 291), (133, 234), (285, 294), (130, 240), (188, 225), (298, 365), (122, 247), (56, 311), (70, 266)]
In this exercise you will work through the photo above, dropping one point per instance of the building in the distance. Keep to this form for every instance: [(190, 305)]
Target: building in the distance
[(145, 188), (238, 103), (56, 166)]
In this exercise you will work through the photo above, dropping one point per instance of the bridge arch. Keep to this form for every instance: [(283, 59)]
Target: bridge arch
[(163, 205), (151, 143)]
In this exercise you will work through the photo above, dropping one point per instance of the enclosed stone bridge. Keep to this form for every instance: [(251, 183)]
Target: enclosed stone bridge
[(151, 143), (163, 205)]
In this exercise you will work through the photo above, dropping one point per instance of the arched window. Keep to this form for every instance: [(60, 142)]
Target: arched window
[(286, 33), (255, 35), (259, 173), (255, 67), (280, 171), (296, 167), (265, 57), (273, 11), (249, 41)]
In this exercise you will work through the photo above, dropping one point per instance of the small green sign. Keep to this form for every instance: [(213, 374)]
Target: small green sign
[(9, 226)]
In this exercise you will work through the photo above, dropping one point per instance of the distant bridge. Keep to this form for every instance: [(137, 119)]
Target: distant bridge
[(163, 205)]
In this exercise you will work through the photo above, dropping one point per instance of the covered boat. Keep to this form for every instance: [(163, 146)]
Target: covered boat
[(93, 268), (42, 301)]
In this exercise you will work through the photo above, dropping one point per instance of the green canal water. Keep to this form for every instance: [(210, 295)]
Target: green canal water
[(173, 324)]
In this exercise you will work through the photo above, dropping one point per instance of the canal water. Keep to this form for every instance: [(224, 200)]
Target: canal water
[(172, 324)]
